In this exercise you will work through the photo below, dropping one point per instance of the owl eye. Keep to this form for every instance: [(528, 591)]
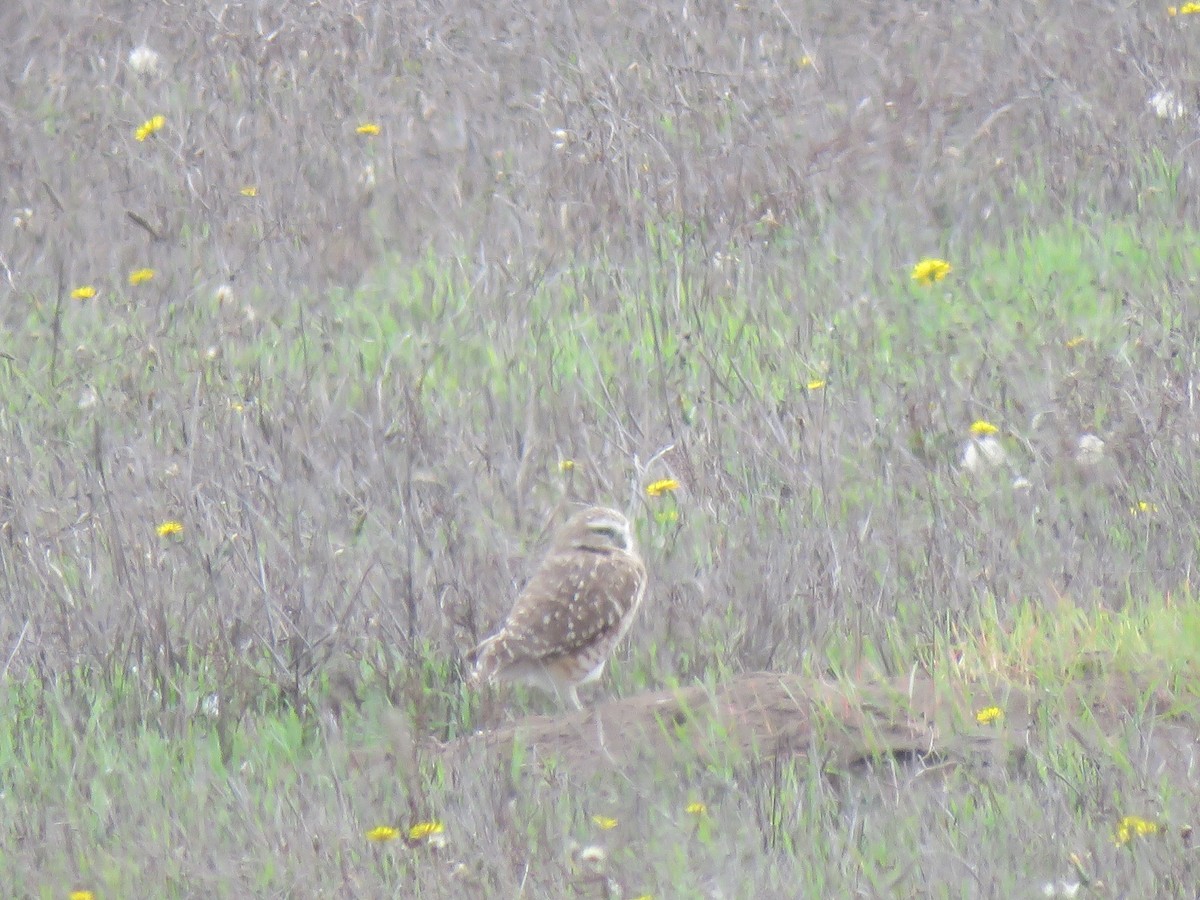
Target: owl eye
[(616, 535)]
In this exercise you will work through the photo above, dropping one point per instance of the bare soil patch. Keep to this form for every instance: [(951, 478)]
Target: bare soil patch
[(764, 716)]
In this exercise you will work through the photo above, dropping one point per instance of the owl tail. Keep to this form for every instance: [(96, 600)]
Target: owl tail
[(484, 661)]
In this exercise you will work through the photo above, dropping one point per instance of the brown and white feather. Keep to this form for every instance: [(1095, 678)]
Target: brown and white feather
[(573, 612)]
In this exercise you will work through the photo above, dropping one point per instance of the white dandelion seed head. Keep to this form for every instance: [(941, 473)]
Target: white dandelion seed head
[(562, 138), (593, 856), (1089, 451), (1061, 888), (992, 449), (970, 460), (88, 398), (436, 841), (143, 60), (1167, 106), (224, 294), (982, 453)]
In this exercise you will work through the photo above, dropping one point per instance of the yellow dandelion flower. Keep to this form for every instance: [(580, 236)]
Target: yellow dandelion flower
[(816, 384), (927, 271), (140, 276), (1187, 9), (1077, 341), (981, 428), (153, 125), (249, 191), (604, 823), (368, 128), (82, 895), (989, 714), (423, 830), (1143, 508), (84, 292), (566, 465), (170, 528), (381, 833), (664, 486), (804, 62), (1135, 826), (644, 897), (696, 809)]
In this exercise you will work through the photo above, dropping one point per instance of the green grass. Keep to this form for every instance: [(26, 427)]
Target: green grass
[(116, 772), (116, 793)]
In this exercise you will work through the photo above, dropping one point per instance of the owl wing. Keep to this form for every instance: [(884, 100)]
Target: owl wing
[(574, 600)]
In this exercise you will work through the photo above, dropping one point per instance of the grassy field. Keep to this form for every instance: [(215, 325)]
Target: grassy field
[(320, 316)]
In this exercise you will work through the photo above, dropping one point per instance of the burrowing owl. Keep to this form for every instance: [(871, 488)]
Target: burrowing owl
[(574, 610)]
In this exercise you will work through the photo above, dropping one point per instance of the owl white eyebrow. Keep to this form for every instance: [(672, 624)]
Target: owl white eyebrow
[(616, 532)]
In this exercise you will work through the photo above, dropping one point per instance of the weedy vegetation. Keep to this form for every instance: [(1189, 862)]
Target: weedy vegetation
[(318, 316)]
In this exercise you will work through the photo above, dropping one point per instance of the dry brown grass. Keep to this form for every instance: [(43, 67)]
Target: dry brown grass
[(588, 231)]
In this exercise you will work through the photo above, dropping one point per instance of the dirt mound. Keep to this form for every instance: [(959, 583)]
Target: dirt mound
[(762, 716)]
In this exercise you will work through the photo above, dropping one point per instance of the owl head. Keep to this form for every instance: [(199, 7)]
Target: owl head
[(597, 529)]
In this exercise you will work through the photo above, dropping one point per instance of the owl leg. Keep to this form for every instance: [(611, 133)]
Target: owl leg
[(600, 736)]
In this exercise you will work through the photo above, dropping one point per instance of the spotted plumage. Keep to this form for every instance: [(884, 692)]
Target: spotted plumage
[(574, 610)]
